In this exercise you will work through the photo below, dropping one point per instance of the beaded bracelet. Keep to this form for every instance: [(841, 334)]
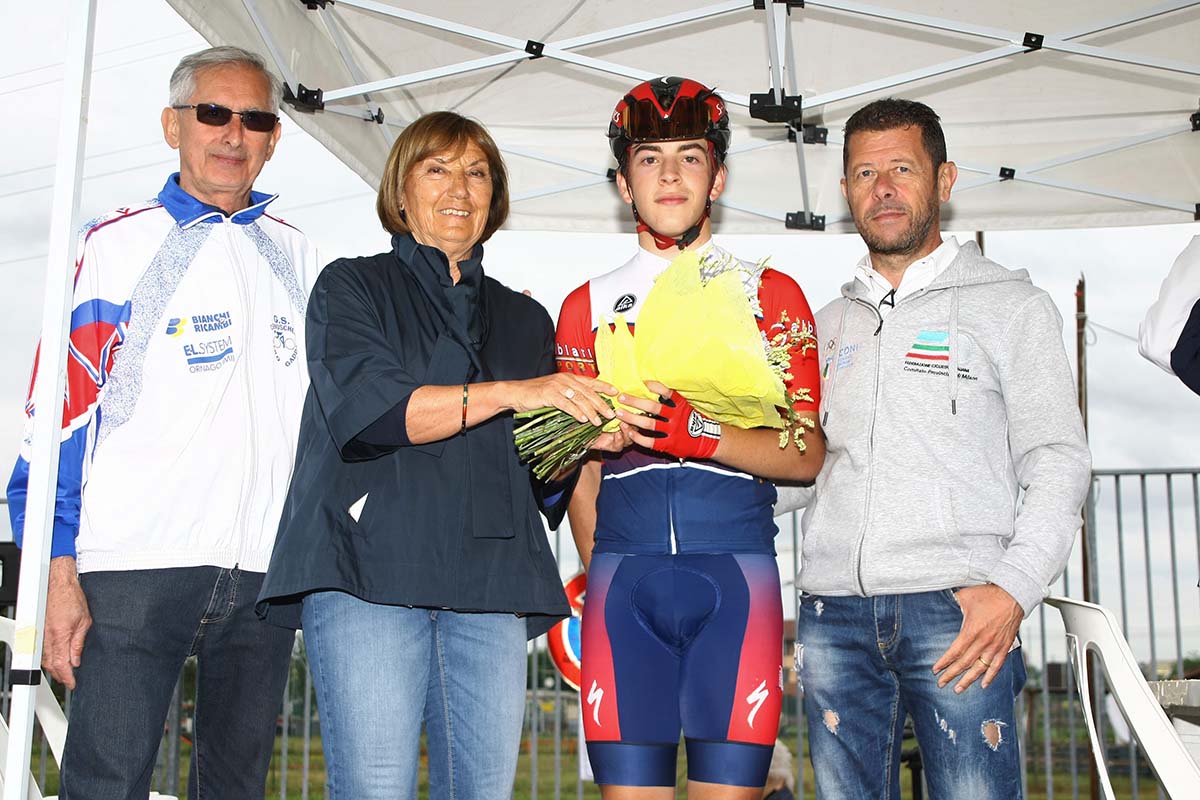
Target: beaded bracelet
[(463, 429)]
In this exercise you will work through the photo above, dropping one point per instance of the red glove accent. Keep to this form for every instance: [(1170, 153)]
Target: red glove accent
[(684, 432)]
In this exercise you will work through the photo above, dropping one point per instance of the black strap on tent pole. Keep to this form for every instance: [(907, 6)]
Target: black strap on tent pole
[(24, 677)]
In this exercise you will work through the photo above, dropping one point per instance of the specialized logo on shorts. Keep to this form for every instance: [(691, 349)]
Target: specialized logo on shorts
[(595, 695), (756, 699), (624, 303)]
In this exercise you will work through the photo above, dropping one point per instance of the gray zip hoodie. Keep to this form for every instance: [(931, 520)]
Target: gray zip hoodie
[(935, 420)]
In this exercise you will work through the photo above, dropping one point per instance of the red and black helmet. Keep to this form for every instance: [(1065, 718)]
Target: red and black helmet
[(669, 109)]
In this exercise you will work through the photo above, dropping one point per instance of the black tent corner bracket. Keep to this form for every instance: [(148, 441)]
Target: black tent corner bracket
[(313, 5), (761, 5), (799, 221), (534, 48), (1007, 173), (1033, 41), (24, 677), (764, 106), (305, 99)]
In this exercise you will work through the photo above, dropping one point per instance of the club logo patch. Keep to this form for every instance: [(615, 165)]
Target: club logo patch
[(624, 303)]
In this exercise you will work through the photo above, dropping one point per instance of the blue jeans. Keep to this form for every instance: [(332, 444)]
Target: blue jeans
[(145, 624), (380, 671), (865, 663)]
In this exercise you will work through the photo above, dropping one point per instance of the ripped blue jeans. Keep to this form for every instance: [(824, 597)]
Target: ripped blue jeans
[(864, 664)]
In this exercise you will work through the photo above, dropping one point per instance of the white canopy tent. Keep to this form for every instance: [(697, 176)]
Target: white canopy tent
[(1064, 114), (1067, 114)]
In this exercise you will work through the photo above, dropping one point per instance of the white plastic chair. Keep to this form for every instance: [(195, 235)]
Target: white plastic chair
[(1091, 627)]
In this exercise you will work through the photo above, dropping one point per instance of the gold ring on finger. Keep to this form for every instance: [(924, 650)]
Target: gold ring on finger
[(983, 661)]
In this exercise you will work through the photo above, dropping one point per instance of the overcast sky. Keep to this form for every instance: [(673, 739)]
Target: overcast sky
[(1140, 417)]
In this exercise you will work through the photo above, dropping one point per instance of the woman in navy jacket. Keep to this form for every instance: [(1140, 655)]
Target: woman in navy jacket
[(410, 549)]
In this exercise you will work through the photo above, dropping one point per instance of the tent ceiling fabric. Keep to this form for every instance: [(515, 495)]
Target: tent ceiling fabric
[(1097, 128)]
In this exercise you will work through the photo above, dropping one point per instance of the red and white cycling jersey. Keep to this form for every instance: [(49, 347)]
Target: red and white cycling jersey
[(653, 504)]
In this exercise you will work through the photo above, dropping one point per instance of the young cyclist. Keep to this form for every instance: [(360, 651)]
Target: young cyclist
[(682, 629)]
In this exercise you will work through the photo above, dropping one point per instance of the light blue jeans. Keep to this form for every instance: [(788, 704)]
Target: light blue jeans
[(865, 663), (381, 671)]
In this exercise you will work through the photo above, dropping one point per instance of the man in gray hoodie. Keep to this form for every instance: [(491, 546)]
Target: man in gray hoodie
[(950, 496)]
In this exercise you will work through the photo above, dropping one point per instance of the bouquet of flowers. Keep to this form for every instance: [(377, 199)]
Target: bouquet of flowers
[(696, 334)]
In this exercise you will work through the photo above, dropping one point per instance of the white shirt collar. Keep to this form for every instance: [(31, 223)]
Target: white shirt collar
[(919, 275)]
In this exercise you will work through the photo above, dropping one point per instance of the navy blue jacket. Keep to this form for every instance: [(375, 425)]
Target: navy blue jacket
[(374, 336)]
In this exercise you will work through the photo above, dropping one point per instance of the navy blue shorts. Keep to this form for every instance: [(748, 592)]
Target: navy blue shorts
[(682, 642)]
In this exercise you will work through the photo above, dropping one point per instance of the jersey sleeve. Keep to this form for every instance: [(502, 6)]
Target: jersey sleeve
[(98, 328), (575, 338), (785, 307)]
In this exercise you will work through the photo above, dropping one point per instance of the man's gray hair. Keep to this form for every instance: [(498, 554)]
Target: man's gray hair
[(183, 79)]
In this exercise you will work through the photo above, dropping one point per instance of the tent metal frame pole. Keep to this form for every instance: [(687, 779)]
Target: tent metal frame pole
[(975, 59), (1108, 148), (758, 212), (902, 78), (782, 64), (269, 40), (48, 397), (504, 148), (417, 18), (1128, 18), (911, 76), (1108, 54), (338, 37), (568, 187), (783, 80), (646, 26), (920, 20), (555, 50), (1111, 193), (395, 82)]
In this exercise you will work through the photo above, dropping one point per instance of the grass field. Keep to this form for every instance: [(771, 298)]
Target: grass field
[(287, 784)]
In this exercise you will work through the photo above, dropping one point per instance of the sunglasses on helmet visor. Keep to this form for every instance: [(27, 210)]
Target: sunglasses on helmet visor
[(213, 114), (690, 119)]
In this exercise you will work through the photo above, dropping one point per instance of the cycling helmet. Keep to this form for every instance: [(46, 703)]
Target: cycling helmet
[(671, 109)]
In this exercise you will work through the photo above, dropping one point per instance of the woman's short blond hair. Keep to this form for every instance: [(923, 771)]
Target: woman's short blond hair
[(439, 132)]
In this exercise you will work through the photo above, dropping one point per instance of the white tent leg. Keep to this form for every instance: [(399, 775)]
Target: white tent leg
[(48, 399)]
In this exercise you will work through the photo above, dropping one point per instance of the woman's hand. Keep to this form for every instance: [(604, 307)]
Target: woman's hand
[(574, 394)]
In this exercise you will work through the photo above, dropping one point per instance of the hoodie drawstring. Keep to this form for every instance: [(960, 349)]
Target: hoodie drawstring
[(953, 374), (827, 391)]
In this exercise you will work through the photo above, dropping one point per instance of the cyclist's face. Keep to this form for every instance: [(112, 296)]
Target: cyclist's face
[(670, 182)]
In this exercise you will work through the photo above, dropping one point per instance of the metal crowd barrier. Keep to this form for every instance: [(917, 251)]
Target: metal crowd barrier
[(1143, 562)]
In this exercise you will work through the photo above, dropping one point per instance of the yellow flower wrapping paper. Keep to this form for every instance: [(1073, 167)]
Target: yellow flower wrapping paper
[(701, 340)]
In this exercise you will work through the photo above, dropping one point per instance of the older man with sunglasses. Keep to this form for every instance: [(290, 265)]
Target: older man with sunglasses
[(186, 374)]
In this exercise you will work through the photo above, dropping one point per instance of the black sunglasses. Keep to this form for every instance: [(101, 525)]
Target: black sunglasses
[(213, 114)]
